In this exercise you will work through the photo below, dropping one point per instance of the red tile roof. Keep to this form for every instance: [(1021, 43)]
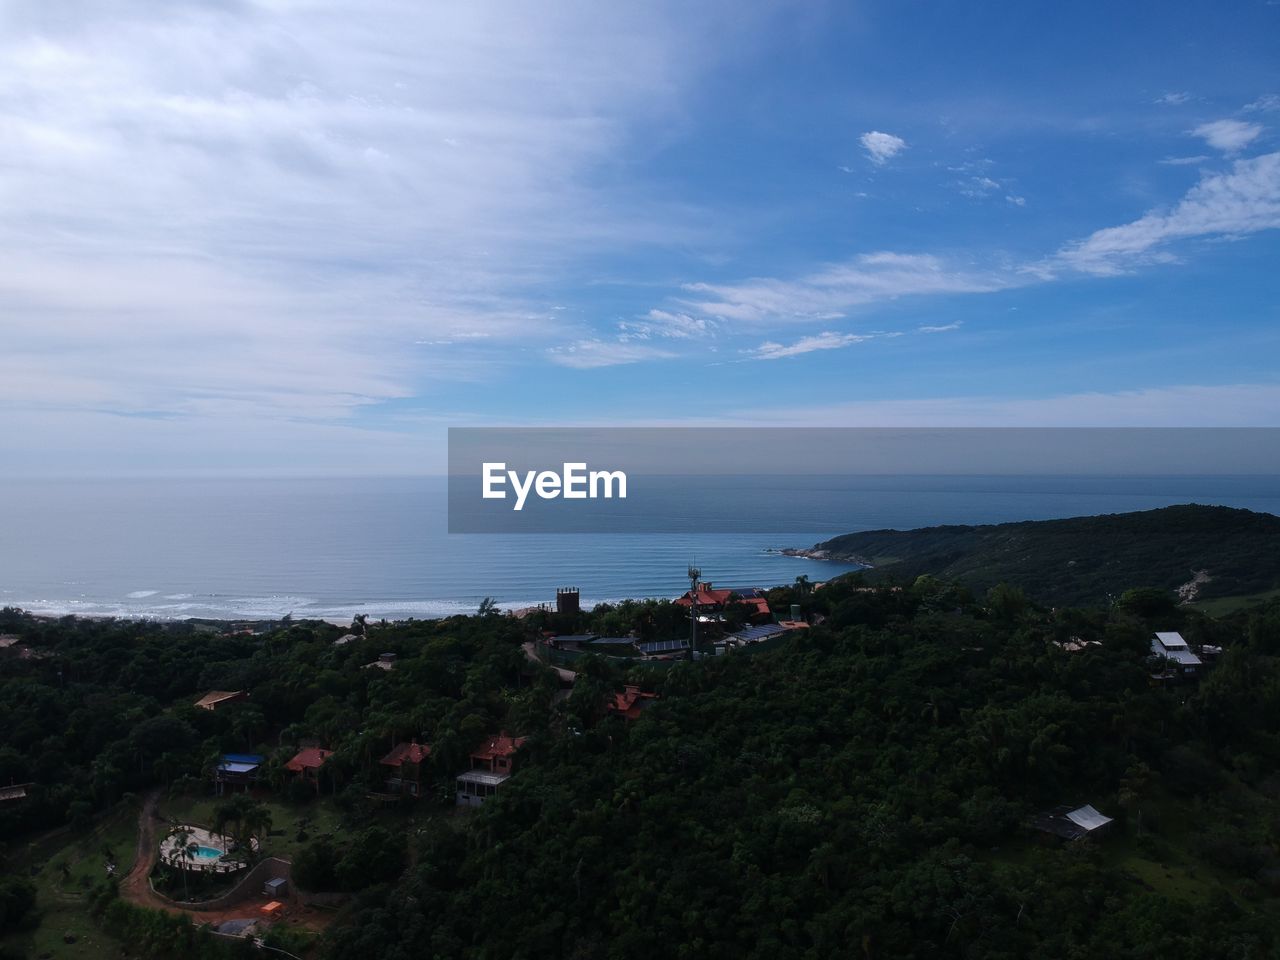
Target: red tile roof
[(630, 701), (407, 753), (706, 598), (498, 746), (312, 758)]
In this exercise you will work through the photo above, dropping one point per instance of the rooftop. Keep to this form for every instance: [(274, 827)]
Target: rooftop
[(1181, 655), (662, 646), (215, 697), (407, 753), (755, 634), (1070, 822), (15, 791), (498, 746), (1171, 640), (312, 758)]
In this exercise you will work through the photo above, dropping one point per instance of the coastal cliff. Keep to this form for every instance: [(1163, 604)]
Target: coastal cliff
[(1194, 552)]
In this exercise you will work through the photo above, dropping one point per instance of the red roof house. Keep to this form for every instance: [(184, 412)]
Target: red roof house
[(631, 702), (497, 753), (404, 763), (710, 600), (490, 768), (306, 764)]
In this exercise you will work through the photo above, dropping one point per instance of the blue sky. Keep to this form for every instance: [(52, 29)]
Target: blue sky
[(310, 237)]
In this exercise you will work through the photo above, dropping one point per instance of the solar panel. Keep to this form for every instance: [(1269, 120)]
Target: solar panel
[(762, 632), (662, 646)]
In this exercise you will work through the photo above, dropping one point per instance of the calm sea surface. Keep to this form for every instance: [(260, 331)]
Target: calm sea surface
[(336, 547)]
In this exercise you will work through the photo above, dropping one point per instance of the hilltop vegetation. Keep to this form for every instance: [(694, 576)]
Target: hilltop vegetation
[(1086, 560), (860, 791)]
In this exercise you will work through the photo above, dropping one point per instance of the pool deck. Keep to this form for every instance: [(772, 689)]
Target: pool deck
[(170, 854)]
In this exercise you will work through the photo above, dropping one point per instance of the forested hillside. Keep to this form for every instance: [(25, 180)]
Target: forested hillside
[(1086, 560), (863, 790)]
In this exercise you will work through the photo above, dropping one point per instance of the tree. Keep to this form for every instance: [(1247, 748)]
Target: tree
[(184, 849), (17, 900), (243, 819)]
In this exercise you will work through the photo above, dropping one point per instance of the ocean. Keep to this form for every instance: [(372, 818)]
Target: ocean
[(335, 547)]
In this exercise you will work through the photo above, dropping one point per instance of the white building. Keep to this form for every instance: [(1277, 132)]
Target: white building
[(1174, 649)]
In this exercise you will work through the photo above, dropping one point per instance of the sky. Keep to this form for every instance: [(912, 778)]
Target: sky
[(309, 237)]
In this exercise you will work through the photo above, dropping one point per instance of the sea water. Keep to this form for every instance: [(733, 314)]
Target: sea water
[(335, 547)]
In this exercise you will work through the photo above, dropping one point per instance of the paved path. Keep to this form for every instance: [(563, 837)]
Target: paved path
[(135, 888), (566, 676)]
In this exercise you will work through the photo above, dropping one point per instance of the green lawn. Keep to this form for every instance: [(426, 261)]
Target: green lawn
[(61, 894), (287, 820), (1224, 606)]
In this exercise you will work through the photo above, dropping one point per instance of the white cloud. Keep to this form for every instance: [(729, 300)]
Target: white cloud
[(832, 291), (1229, 136), (1244, 200), (940, 328), (590, 354), (980, 186), (302, 210), (881, 147), (1173, 99), (1183, 161), (1016, 201), (667, 325), (822, 341), (1266, 103)]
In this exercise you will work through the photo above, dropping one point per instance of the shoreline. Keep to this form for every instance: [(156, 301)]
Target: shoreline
[(814, 553)]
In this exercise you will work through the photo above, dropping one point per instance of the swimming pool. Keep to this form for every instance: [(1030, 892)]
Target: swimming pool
[(196, 848)]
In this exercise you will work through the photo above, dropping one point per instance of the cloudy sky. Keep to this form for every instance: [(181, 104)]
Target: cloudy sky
[(303, 236)]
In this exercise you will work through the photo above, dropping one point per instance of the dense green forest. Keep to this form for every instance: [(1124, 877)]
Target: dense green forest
[(862, 790), (1086, 560)]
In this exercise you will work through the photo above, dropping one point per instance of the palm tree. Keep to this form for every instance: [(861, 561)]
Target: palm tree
[(256, 823), (184, 849), (802, 585)]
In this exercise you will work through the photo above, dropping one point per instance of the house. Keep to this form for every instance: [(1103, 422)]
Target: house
[(630, 703), (217, 699), (15, 792), (385, 661), (757, 634), (574, 642), (1179, 660), (236, 770), (711, 600), (1076, 644), (663, 648), (404, 767), (1070, 822), (793, 624), (306, 765), (605, 644), (491, 765)]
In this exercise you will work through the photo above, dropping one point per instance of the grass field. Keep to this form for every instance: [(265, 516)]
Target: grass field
[(288, 821), (64, 866), (1224, 606)]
